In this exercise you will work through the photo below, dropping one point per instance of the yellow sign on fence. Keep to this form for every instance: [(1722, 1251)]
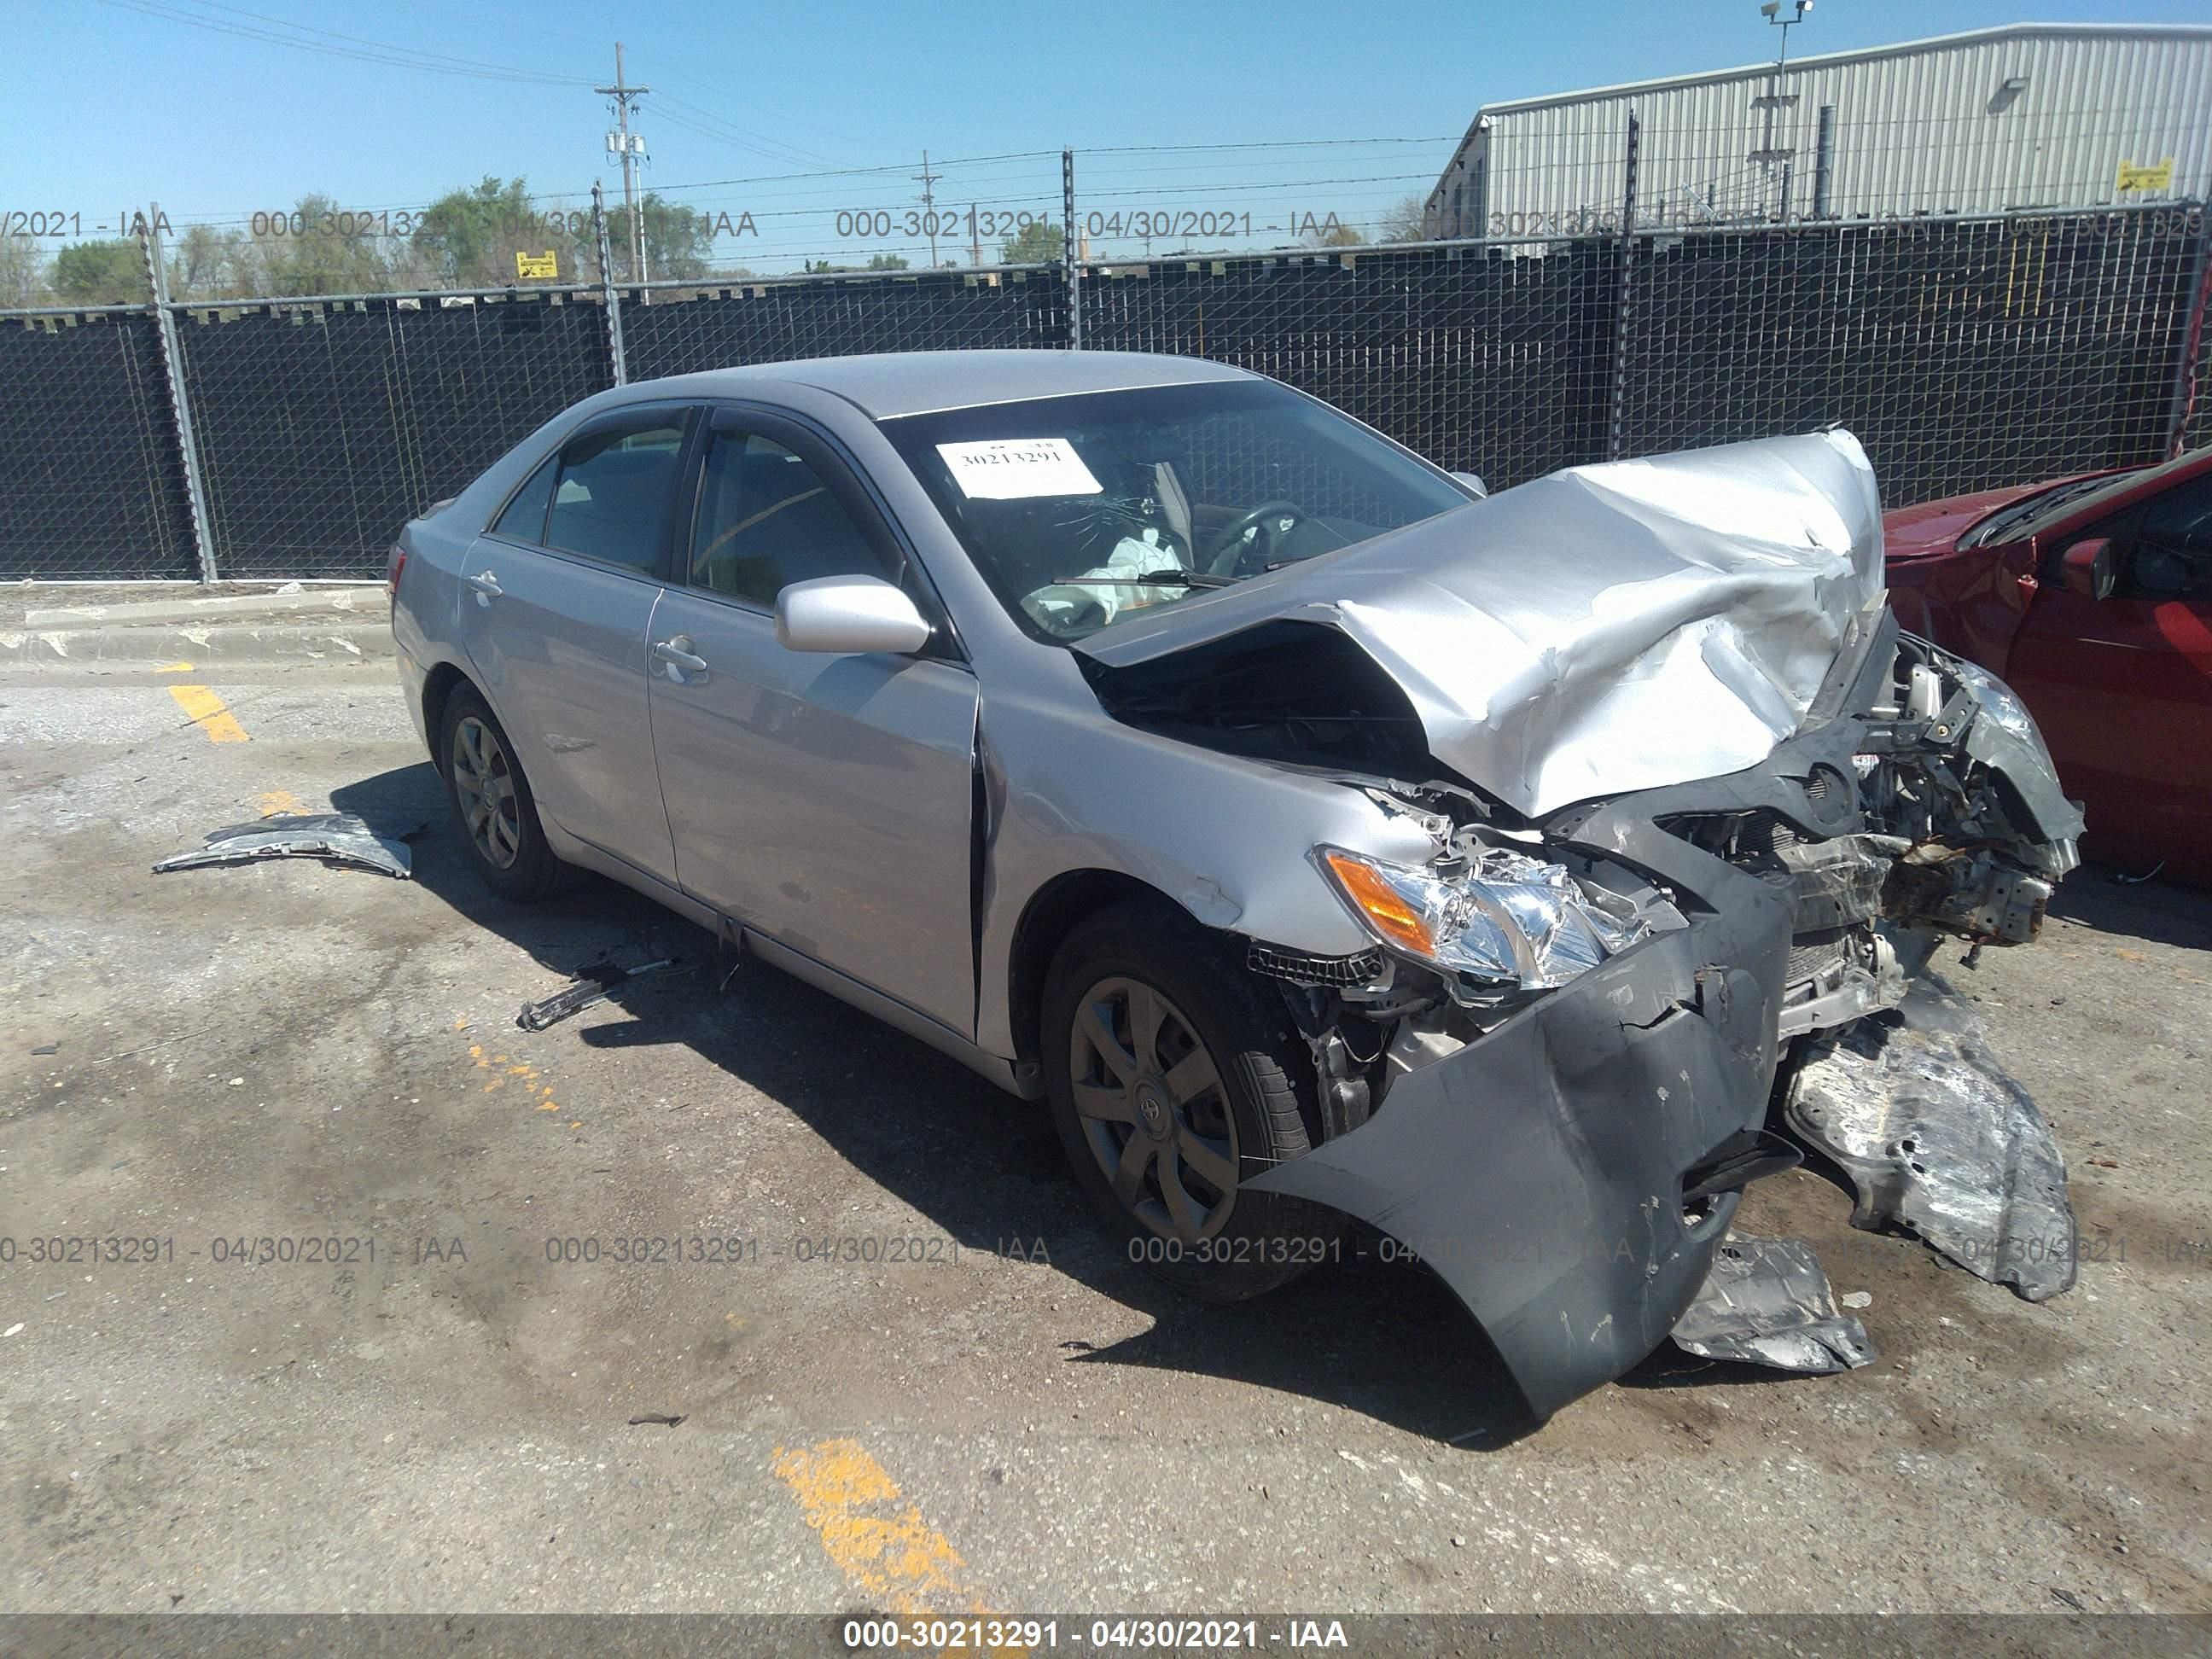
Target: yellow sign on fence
[(547, 265), (2150, 176)]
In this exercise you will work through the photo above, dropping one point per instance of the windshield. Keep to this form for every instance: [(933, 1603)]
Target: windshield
[(1081, 510)]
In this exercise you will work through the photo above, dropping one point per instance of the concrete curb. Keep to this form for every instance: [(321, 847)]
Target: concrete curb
[(366, 600), (340, 640)]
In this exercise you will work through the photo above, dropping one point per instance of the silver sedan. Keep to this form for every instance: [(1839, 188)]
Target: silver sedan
[(1319, 837)]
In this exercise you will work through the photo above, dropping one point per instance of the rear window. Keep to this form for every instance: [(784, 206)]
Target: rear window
[(525, 518), (612, 503)]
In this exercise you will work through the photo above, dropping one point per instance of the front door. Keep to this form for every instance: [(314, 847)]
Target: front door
[(2122, 687), (823, 801)]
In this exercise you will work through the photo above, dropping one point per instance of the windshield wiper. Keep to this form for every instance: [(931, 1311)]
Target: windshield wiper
[(1156, 579), (2008, 521)]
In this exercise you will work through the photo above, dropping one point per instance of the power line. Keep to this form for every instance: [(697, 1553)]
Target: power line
[(393, 57)]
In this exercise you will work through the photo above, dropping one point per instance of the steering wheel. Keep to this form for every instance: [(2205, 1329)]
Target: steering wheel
[(1228, 553)]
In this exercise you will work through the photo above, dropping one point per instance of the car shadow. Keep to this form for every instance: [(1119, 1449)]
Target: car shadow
[(2096, 896), (1371, 1332)]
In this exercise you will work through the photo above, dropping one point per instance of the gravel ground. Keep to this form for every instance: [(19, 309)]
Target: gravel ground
[(1009, 1417)]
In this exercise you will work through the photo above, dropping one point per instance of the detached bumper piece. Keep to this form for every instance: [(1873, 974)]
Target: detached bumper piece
[(334, 838), (1767, 1303), (1938, 1141)]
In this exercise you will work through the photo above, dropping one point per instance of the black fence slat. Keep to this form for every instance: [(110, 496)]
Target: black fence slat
[(323, 430), (1965, 354), (92, 486)]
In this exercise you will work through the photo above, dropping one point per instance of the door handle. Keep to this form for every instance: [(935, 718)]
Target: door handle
[(675, 652), (487, 586)]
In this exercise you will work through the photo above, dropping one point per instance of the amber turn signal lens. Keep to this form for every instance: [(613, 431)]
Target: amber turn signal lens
[(1391, 914)]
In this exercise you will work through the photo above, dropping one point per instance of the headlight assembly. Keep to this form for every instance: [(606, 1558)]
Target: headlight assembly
[(1501, 915)]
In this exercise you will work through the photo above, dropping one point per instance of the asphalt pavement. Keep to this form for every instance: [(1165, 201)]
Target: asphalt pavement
[(720, 1296)]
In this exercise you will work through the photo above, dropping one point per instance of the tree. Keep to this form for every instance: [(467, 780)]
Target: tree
[(1405, 220), (1336, 235), (1039, 242), (886, 262), (316, 249), (680, 240), (468, 238), (205, 264), (22, 272), (101, 273)]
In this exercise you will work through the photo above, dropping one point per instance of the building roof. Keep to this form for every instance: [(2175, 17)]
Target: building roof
[(1863, 54)]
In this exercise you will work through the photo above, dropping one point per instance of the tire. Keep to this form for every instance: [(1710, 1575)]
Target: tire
[(1223, 1090), (507, 843)]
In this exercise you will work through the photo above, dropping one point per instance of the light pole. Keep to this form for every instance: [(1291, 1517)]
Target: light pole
[(1775, 100), (1771, 11)]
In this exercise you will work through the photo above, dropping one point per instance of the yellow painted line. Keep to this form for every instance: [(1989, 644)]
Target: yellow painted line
[(207, 712), (878, 1539), (174, 668), (278, 800)]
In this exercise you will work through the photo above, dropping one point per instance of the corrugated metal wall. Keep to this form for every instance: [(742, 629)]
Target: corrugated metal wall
[(1933, 128)]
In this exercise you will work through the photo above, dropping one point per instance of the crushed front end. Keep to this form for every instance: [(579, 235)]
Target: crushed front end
[(1553, 1074)]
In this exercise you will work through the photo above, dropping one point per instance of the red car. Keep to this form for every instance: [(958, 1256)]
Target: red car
[(2092, 597)]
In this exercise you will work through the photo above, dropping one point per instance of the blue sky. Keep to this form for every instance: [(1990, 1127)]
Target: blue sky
[(118, 101)]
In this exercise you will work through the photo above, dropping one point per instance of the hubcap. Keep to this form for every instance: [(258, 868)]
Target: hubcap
[(483, 783), (1153, 1109)]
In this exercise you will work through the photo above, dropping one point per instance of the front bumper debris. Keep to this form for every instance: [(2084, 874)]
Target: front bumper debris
[(1767, 1303), (1540, 1169), (334, 838), (1938, 1141), (1569, 1157)]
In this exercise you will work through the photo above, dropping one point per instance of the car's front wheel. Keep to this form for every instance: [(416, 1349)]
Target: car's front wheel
[(493, 805), (1174, 1078)]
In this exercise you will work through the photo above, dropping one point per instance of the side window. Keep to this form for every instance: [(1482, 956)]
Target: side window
[(611, 502), (2169, 555), (525, 518), (766, 520)]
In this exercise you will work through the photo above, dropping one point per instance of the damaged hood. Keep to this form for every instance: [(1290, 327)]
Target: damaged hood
[(1607, 628)]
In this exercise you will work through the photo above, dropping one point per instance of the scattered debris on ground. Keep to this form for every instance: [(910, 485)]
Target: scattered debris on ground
[(1939, 1141), (593, 983), (334, 838), (1767, 1303)]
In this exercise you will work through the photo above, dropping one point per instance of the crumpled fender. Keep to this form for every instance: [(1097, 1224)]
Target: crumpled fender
[(1540, 1170)]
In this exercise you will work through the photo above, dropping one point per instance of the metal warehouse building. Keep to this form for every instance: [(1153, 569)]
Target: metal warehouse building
[(2030, 115)]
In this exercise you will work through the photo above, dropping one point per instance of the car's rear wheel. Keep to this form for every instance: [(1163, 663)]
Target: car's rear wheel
[(1174, 1078), (493, 806)]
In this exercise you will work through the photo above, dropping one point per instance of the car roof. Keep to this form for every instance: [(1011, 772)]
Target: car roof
[(885, 385)]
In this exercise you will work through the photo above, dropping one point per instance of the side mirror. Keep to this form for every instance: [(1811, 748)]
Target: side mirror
[(2087, 569), (1473, 481), (845, 616)]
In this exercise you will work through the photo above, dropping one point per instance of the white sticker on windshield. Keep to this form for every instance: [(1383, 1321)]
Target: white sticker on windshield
[(1012, 469)]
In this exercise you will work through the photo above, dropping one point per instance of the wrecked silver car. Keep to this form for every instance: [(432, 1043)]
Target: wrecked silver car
[(1520, 876)]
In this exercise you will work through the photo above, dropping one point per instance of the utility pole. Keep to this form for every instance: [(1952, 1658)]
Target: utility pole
[(621, 141), (929, 204)]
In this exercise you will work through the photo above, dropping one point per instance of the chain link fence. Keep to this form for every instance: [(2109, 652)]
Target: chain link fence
[(94, 480), (1966, 352), (765, 322), (323, 428)]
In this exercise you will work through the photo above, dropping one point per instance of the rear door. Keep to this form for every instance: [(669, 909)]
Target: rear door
[(2122, 686), (562, 595), (823, 801)]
